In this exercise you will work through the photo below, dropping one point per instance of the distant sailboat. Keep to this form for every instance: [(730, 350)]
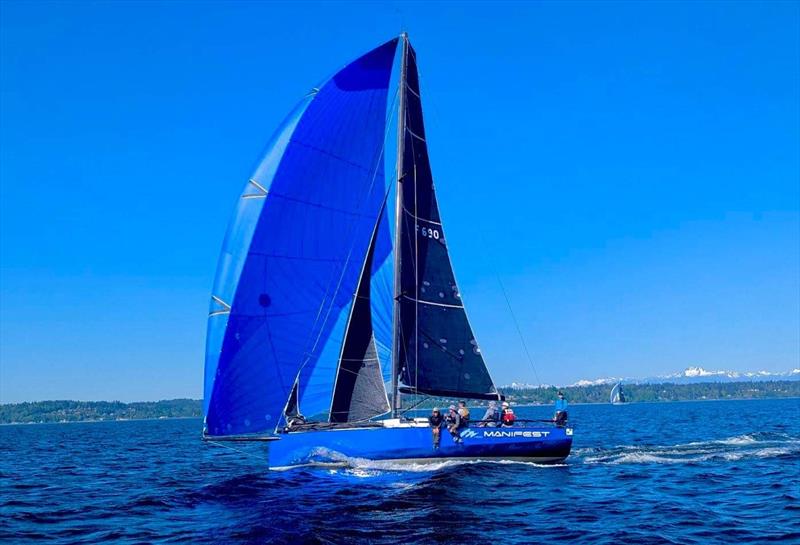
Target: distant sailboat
[(335, 280), (617, 397)]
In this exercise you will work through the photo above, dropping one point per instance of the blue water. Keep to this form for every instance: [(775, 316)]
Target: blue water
[(705, 472)]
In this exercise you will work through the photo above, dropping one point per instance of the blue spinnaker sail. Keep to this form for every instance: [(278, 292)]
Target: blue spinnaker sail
[(293, 253)]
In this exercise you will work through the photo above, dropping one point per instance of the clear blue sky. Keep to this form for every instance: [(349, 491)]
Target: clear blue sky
[(632, 171)]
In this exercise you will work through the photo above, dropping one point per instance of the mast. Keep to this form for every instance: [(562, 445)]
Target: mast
[(401, 130)]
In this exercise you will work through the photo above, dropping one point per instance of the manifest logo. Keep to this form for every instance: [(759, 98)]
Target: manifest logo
[(494, 434), (518, 433)]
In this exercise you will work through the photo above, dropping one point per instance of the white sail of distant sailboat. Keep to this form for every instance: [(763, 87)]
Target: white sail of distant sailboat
[(617, 397)]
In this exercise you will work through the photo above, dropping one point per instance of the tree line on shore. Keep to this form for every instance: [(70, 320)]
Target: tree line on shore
[(638, 393), (81, 411)]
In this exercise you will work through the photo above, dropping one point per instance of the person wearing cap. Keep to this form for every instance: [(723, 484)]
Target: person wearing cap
[(507, 416), (453, 420), (436, 420), (560, 417), (491, 417), (463, 412)]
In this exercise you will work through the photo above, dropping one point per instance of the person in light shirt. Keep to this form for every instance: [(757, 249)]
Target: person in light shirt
[(491, 417), (453, 421)]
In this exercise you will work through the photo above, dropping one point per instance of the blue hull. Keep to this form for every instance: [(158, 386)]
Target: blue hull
[(410, 444)]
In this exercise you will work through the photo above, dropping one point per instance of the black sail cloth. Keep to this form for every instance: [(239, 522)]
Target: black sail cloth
[(437, 350)]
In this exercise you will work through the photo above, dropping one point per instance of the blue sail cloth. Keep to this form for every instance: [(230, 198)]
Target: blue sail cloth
[(294, 251)]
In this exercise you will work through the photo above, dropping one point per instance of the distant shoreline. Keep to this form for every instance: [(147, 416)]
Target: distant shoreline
[(519, 406), (666, 401), (101, 421), (87, 412)]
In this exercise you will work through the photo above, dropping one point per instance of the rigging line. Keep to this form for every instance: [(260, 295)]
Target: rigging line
[(418, 403), (516, 324), (251, 455)]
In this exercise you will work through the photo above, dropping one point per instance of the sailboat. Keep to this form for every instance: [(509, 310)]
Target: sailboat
[(335, 308), (617, 397)]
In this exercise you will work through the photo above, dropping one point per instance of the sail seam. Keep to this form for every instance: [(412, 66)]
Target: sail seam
[(332, 155), (318, 205)]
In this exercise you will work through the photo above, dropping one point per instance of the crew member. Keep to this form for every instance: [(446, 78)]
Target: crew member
[(436, 421), (491, 417), (507, 416), (463, 412), (453, 420), (560, 418)]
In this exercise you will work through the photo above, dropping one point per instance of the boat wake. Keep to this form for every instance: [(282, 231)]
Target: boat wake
[(740, 447), (336, 462), (748, 446)]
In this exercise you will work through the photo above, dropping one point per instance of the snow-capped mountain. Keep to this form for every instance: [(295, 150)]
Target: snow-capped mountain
[(687, 376), (523, 386), (597, 382), (697, 374)]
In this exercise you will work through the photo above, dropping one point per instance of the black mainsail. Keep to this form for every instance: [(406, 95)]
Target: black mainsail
[(435, 349)]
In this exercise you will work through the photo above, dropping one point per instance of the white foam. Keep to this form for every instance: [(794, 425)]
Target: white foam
[(339, 463), (771, 452), (730, 449), (738, 440)]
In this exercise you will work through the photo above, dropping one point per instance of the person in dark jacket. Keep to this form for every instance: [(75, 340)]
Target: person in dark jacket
[(453, 420), (436, 421), (491, 417)]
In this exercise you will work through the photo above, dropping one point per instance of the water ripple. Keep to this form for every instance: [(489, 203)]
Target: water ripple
[(687, 473)]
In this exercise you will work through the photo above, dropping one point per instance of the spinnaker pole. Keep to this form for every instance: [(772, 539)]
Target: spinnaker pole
[(398, 237)]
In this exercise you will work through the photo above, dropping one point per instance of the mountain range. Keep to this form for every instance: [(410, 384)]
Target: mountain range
[(690, 375)]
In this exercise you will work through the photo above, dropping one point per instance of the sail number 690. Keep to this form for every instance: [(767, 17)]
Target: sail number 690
[(429, 233)]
